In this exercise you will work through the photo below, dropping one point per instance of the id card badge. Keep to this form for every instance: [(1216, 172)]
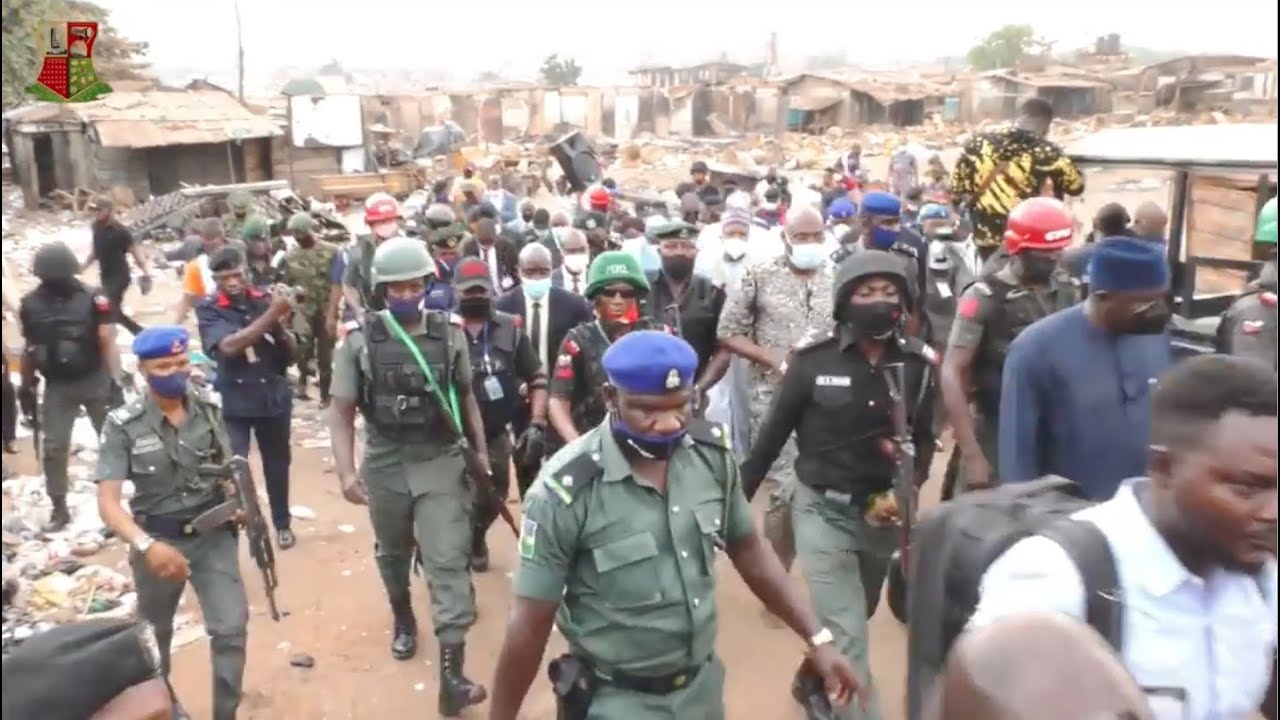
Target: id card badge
[(492, 388)]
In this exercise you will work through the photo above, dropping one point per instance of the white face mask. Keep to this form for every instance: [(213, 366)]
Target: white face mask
[(386, 230), (735, 247), (576, 263), (807, 256)]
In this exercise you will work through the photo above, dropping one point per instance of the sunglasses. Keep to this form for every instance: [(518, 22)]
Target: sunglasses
[(624, 293)]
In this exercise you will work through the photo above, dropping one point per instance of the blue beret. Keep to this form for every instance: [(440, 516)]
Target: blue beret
[(1124, 264), (841, 208), (650, 362), (160, 341), (881, 203), (934, 211)]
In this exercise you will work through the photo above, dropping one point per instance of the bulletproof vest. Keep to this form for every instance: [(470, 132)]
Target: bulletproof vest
[(398, 399), (62, 334), (493, 358), (367, 296), (588, 408), (940, 305), (1012, 316)]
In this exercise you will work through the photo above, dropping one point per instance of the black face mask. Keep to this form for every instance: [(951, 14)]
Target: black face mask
[(1151, 319), (876, 319), (1036, 268), (60, 286), (474, 307), (677, 267)]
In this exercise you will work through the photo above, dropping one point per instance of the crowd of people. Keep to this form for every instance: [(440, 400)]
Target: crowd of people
[(644, 374)]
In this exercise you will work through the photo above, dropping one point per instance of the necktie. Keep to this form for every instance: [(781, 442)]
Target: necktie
[(576, 291), (535, 332)]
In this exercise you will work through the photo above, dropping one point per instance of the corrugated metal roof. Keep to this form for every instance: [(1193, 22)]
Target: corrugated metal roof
[(1244, 146), (883, 91), (157, 119)]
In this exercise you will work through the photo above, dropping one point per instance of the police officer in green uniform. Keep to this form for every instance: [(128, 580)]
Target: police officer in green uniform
[(989, 315), (170, 443), (836, 397), (404, 368), (505, 371), (616, 287), (239, 202), (1250, 326), (71, 342), (618, 549)]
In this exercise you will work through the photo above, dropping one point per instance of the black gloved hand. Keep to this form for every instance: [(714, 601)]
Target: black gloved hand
[(531, 445)]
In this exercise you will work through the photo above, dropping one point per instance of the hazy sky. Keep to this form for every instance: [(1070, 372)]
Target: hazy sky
[(512, 37)]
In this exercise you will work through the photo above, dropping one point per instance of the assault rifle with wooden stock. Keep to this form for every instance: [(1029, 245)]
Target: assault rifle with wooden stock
[(242, 507)]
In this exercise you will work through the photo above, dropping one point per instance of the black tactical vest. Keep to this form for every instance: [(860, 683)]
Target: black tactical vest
[(366, 249), (62, 334), (493, 354), (397, 399), (1010, 318)]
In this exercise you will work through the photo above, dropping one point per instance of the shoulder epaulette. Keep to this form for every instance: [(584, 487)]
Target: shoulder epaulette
[(455, 319), (813, 339), (709, 432), (982, 288), (575, 475), (126, 412), (920, 348)]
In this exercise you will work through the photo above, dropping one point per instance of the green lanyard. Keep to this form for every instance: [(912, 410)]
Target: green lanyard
[(451, 402)]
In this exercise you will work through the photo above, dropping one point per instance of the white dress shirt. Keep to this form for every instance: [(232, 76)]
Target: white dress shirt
[(540, 342), (1211, 639)]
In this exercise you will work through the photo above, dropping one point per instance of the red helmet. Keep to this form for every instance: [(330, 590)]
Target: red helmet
[(600, 197), (1038, 223), (380, 208)]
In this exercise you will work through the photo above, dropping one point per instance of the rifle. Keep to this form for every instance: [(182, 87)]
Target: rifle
[(904, 484), (31, 412), (242, 499)]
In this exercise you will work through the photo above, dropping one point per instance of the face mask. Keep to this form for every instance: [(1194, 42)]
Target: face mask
[(173, 385), (576, 263), (629, 314), (405, 306), (474, 307), (735, 248), (61, 286), (1151, 319), (386, 230), (536, 288), (653, 447), (882, 238), (527, 218), (1037, 269), (678, 267), (876, 319), (808, 256)]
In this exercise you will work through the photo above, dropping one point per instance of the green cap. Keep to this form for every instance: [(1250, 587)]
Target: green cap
[(255, 228), (1266, 230), (615, 266), (671, 229), (300, 222), (401, 258)]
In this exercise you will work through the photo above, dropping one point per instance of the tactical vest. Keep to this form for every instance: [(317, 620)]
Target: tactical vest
[(61, 334), (365, 250), (494, 355), (397, 398), (588, 408), (1005, 324)]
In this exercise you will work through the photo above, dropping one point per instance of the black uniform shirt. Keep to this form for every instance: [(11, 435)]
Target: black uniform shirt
[(514, 369), (698, 310), (839, 408)]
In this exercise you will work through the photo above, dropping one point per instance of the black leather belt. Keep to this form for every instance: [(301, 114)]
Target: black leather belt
[(169, 527), (656, 685)]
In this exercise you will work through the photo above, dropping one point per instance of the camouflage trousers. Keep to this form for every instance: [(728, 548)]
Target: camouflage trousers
[(315, 349), (780, 483)]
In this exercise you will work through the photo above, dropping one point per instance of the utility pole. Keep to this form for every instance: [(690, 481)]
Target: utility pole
[(239, 53)]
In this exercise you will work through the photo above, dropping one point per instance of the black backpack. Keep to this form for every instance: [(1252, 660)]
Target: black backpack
[(955, 543)]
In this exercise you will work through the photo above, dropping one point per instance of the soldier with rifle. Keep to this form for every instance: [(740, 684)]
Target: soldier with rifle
[(407, 370), (857, 397), (169, 442)]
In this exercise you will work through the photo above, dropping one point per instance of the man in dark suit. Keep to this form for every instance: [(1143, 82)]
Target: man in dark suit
[(498, 253), (571, 274), (548, 313)]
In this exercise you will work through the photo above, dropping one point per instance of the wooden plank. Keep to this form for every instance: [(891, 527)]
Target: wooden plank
[(1220, 218)]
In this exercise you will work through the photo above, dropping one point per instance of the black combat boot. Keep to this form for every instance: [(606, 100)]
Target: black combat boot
[(404, 631), (456, 691), (479, 550), (61, 516)]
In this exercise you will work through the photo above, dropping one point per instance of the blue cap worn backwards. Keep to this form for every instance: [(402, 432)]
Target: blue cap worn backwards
[(1124, 264), (881, 203), (650, 362), (160, 341)]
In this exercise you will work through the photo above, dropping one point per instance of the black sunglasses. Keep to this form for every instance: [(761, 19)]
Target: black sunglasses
[(624, 293)]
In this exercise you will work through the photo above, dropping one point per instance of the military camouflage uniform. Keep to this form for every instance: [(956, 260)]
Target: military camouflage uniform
[(309, 269), (777, 308)]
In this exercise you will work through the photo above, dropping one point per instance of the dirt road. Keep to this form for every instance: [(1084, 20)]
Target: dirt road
[(337, 614)]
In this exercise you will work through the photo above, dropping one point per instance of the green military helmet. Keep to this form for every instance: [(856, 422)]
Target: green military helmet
[(255, 228), (300, 222), (239, 200), (401, 258), (1266, 231), (615, 266), (55, 261)]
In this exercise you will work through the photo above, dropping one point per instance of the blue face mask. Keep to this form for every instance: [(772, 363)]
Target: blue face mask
[(405, 306), (536, 288), (808, 256), (882, 238), (173, 385), (654, 447)]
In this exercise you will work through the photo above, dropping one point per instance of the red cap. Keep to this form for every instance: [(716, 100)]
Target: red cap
[(471, 272), (600, 198)]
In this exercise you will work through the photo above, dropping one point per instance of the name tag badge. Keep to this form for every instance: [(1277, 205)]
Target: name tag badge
[(147, 443), (492, 388), (834, 381), (944, 290)]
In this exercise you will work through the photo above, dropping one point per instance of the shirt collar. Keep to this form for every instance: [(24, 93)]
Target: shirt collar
[(225, 301), (616, 465), (1162, 571)]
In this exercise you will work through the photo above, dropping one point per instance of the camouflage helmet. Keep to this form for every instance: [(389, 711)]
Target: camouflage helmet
[(615, 266), (401, 258), (300, 222), (255, 228), (1266, 230), (239, 200), (55, 261)]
